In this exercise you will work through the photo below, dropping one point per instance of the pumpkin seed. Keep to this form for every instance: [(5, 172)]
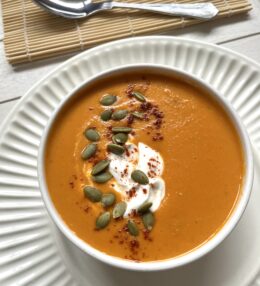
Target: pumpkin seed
[(92, 193), (144, 207), (139, 96), (120, 138), (92, 134), (89, 151), (115, 149), (108, 199), (139, 177), (99, 167), (148, 220), (106, 114), (119, 210), (102, 178), (121, 129), (119, 114), (108, 99), (132, 228), (138, 115), (103, 220)]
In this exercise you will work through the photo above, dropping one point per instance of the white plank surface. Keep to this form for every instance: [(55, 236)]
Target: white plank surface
[(5, 108)]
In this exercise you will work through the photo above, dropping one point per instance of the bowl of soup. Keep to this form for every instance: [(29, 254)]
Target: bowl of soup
[(145, 167)]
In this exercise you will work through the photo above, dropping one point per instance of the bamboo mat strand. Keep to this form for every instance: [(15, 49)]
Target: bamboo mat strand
[(33, 34)]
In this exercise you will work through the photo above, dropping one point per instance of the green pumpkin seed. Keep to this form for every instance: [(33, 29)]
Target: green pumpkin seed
[(108, 200), (106, 114), (99, 167), (108, 99), (121, 129), (103, 220), (89, 151), (92, 194), (102, 178), (140, 177), (132, 228), (144, 207), (148, 220), (138, 115), (119, 114), (115, 149), (120, 138), (119, 209), (92, 134), (139, 96)]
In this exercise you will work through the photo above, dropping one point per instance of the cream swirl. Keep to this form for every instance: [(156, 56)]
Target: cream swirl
[(147, 160)]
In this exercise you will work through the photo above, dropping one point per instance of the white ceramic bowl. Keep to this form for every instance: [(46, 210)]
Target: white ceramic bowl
[(185, 258)]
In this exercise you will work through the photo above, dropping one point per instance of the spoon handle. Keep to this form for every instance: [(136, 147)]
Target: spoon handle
[(197, 10)]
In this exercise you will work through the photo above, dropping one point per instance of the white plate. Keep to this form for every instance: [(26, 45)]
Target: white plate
[(32, 250)]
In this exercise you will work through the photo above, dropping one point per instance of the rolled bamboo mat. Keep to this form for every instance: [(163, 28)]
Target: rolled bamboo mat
[(32, 34)]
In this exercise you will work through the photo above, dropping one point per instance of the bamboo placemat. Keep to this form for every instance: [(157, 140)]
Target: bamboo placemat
[(32, 34)]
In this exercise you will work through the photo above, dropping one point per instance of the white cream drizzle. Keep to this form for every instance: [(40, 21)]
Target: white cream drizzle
[(141, 158)]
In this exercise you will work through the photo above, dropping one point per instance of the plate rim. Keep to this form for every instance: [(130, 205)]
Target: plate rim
[(92, 51)]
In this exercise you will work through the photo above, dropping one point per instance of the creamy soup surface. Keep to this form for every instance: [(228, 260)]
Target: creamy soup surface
[(197, 186)]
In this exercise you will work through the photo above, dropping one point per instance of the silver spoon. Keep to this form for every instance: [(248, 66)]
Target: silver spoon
[(80, 9)]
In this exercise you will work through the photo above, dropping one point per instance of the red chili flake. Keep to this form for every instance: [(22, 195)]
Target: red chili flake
[(131, 193), (146, 117), (133, 213), (157, 137), (157, 123), (145, 191), (134, 244), (71, 184), (146, 234), (129, 90), (87, 209), (130, 119), (90, 108), (146, 106), (127, 152)]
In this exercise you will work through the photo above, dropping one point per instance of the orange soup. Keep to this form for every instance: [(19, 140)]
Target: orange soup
[(144, 166)]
